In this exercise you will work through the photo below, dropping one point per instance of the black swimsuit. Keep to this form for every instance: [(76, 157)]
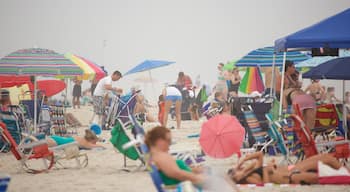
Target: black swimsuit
[(258, 171)]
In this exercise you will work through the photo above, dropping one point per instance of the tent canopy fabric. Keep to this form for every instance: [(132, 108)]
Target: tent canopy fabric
[(333, 32), (263, 57), (148, 65), (38, 62), (338, 68)]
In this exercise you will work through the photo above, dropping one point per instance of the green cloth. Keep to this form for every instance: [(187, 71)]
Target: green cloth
[(170, 181), (62, 140), (204, 96), (119, 138)]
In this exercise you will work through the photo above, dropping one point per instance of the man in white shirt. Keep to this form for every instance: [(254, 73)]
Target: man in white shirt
[(102, 89)]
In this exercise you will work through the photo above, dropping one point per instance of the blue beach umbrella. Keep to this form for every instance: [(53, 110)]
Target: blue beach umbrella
[(263, 57), (148, 65), (334, 69)]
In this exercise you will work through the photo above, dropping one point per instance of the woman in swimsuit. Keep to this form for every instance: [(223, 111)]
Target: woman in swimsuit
[(304, 172), (88, 141), (305, 102), (235, 82), (291, 76), (171, 171)]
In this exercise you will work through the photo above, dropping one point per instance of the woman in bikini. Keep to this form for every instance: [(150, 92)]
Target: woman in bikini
[(304, 172), (305, 102)]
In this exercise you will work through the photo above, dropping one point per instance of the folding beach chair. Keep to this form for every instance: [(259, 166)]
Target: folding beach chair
[(27, 151), (303, 133), (4, 181), (261, 136), (69, 152), (120, 116), (327, 121)]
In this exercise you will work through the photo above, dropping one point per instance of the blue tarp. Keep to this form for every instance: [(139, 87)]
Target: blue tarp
[(338, 68), (148, 65), (333, 32), (263, 57)]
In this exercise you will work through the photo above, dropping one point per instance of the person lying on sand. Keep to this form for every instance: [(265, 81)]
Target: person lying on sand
[(171, 171), (140, 110), (304, 172), (88, 141)]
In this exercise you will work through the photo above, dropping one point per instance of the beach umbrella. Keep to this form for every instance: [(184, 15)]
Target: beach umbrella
[(314, 61), (221, 136), (252, 81), (37, 62), (264, 57), (148, 65), (337, 69), (90, 69), (229, 66)]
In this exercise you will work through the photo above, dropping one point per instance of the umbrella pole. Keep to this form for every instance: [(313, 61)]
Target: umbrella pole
[(272, 86), (282, 83), (35, 105), (344, 114), (150, 76)]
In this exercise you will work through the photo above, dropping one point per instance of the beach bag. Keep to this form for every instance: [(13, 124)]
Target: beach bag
[(119, 138)]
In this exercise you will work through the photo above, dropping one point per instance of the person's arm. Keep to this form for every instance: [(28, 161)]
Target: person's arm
[(169, 167), (257, 155)]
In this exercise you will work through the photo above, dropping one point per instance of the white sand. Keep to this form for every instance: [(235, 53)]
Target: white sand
[(104, 170)]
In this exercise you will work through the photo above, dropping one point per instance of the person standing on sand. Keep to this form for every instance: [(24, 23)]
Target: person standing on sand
[(184, 81), (101, 92), (172, 95), (221, 85), (93, 85), (76, 94)]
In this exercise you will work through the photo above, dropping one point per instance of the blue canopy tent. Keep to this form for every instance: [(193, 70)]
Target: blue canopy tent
[(337, 69), (333, 32), (148, 65), (265, 57)]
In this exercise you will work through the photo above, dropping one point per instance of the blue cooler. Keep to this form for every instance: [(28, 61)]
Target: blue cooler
[(4, 181)]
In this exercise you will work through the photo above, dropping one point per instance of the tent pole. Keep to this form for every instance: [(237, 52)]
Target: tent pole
[(272, 86), (35, 105), (282, 83), (344, 114)]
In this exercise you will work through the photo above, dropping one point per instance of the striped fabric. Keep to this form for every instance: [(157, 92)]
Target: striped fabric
[(258, 133), (264, 57), (37, 61), (90, 69)]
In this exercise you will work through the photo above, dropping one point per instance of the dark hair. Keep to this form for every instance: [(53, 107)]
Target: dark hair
[(161, 98), (117, 73), (181, 74), (217, 94), (154, 134), (90, 136), (289, 63)]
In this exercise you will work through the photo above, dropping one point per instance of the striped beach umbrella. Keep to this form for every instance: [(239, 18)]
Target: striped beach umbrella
[(38, 62), (252, 81), (90, 69), (263, 57)]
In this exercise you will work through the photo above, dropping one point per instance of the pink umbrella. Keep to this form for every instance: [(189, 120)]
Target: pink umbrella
[(221, 136)]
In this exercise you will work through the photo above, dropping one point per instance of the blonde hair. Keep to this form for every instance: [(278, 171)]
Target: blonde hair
[(90, 136)]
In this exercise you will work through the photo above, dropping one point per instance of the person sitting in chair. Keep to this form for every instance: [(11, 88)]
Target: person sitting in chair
[(171, 171)]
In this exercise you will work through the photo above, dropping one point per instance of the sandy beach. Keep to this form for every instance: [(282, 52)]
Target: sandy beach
[(104, 172)]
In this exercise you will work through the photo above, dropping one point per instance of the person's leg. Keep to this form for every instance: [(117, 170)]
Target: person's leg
[(78, 101), (167, 107), (178, 113), (309, 117), (312, 162), (73, 102), (304, 178)]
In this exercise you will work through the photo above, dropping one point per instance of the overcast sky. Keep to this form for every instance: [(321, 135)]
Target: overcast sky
[(119, 34)]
